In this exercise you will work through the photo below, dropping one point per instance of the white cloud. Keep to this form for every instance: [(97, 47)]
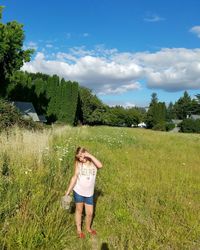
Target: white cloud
[(108, 88), (129, 105), (172, 69), (196, 30), (31, 45), (153, 18), (49, 45), (86, 34), (111, 72)]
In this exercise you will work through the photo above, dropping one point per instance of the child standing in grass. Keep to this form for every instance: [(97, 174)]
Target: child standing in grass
[(82, 183)]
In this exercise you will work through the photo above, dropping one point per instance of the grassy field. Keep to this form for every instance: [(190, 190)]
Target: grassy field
[(147, 193)]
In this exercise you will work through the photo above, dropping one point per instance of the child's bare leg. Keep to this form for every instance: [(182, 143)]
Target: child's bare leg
[(78, 216), (89, 214)]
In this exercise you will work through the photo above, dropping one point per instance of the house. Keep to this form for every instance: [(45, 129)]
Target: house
[(27, 110), (42, 118), (176, 122), (195, 117)]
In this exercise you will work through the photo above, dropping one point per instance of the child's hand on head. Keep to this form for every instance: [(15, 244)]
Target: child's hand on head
[(87, 155)]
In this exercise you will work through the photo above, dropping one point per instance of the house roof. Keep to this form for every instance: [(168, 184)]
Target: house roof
[(176, 121), (27, 109), (42, 118), (195, 117)]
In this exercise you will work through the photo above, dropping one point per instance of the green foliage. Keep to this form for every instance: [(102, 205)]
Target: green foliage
[(55, 98), (12, 54), (160, 126), (91, 107), (190, 126), (63, 97), (169, 126), (156, 115), (10, 116), (120, 116), (5, 171), (170, 112), (184, 106)]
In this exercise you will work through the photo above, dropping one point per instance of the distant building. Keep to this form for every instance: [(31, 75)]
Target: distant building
[(27, 110), (142, 125), (42, 118), (176, 122), (194, 117)]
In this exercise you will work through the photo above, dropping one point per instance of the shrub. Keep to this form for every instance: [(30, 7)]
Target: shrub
[(169, 126), (190, 126), (161, 126), (10, 116)]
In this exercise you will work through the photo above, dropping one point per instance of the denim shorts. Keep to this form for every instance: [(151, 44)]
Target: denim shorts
[(79, 198)]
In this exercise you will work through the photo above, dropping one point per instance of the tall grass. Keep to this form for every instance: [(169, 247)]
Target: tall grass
[(147, 194)]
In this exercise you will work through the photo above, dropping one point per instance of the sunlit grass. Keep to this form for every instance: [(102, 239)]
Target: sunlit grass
[(147, 194)]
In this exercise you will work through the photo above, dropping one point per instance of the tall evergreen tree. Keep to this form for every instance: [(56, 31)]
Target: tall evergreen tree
[(170, 112), (156, 114), (183, 106)]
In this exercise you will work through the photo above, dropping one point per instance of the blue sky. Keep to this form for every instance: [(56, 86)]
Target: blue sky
[(124, 50)]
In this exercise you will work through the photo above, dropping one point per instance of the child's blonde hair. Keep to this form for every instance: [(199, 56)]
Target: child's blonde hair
[(78, 151)]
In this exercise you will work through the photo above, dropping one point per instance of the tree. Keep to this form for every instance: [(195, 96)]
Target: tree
[(154, 99), (157, 114), (92, 108), (183, 106), (12, 54), (170, 112)]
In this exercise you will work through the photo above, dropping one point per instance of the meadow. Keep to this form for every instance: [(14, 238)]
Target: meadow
[(147, 194)]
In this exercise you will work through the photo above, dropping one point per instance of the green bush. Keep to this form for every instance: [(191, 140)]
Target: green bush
[(10, 116), (190, 126), (161, 126), (169, 126)]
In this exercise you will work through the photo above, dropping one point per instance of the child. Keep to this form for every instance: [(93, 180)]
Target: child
[(82, 183)]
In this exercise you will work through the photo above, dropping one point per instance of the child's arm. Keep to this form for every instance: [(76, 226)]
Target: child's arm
[(73, 180), (96, 162)]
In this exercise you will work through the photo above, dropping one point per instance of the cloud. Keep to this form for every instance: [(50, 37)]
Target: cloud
[(86, 34), (49, 45), (153, 18), (112, 72), (172, 69), (196, 30), (108, 89), (31, 45)]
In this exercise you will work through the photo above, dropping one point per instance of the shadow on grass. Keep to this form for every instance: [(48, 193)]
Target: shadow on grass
[(104, 246)]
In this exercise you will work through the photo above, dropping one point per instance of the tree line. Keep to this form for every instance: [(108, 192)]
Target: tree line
[(68, 102), (159, 115)]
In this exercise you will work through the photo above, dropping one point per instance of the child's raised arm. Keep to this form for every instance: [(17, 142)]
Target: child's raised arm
[(96, 162)]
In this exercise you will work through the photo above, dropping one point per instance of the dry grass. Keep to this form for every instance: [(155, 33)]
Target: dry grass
[(147, 194)]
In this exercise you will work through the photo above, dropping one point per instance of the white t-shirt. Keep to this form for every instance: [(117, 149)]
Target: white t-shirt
[(86, 179)]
